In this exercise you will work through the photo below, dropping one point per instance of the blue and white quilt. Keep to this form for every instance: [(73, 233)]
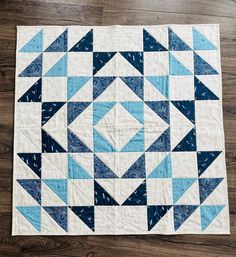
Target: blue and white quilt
[(119, 130)]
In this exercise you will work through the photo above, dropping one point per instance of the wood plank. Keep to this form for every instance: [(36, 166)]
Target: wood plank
[(95, 3), (133, 17), (211, 8), (36, 13), (226, 8)]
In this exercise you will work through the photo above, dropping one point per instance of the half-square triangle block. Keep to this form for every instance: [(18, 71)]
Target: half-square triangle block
[(200, 42), (75, 170), (59, 69), (59, 44), (59, 215), (138, 197), (35, 44), (33, 94), (150, 44), (86, 214), (176, 43), (102, 197), (182, 213), (208, 214), (85, 44), (32, 214), (202, 92), (34, 69), (33, 160), (202, 67), (33, 187), (155, 213)]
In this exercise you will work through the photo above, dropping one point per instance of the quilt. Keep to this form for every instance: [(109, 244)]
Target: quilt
[(119, 130)]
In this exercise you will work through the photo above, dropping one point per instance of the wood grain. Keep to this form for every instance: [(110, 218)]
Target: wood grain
[(107, 12)]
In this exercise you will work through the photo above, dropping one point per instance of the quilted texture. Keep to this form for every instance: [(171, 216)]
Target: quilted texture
[(119, 130)]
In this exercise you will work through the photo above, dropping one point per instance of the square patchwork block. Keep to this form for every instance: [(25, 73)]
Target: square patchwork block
[(119, 130)]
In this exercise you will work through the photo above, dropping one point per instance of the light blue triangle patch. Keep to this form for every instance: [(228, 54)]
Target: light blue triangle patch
[(200, 42), (101, 144), (59, 69), (208, 214), (58, 186), (35, 44), (161, 83), (176, 67), (100, 109), (32, 214), (136, 144), (136, 109), (163, 170), (75, 171), (74, 84), (180, 186)]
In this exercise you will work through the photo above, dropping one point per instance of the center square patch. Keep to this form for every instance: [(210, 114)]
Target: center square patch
[(119, 130)]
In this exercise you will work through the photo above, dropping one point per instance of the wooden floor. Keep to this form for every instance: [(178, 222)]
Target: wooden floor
[(106, 12)]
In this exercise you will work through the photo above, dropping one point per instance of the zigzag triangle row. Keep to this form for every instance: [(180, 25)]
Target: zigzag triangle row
[(155, 214), (120, 88), (150, 43), (60, 43), (128, 64)]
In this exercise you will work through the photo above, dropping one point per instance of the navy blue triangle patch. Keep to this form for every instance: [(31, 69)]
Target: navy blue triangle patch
[(161, 108), (182, 213), (85, 44), (33, 160), (49, 109), (205, 159), (134, 58), (75, 145), (34, 69), (155, 213), (187, 108), (202, 92), (100, 84), (101, 197), (207, 186), (188, 143), (137, 169), (86, 214), (139, 196), (135, 84), (33, 187), (101, 170), (50, 145), (201, 67), (176, 43), (59, 44), (162, 144), (59, 214), (150, 44), (33, 94), (74, 109), (100, 59)]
